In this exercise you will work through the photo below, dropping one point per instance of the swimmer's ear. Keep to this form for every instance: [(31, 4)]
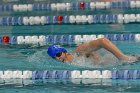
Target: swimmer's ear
[(138, 58), (60, 61), (54, 58)]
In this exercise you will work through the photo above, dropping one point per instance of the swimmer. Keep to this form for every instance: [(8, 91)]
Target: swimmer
[(89, 50)]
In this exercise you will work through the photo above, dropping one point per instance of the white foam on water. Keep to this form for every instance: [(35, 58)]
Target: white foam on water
[(37, 57), (107, 60)]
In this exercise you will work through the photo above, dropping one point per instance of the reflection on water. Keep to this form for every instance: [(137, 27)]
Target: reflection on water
[(75, 85)]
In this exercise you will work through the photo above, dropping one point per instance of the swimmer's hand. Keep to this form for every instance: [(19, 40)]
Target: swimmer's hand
[(137, 57), (134, 58)]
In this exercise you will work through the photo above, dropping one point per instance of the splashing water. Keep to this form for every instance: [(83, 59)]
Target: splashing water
[(107, 60), (41, 58), (37, 57)]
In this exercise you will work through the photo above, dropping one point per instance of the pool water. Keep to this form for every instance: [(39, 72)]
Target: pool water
[(30, 57), (35, 58), (73, 86)]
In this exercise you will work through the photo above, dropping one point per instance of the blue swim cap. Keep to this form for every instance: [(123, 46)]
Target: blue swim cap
[(54, 49)]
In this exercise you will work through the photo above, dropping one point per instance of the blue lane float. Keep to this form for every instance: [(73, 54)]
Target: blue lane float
[(50, 74), (126, 74)]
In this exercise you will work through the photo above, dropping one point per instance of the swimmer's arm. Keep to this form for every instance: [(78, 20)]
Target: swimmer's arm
[(88, 46)]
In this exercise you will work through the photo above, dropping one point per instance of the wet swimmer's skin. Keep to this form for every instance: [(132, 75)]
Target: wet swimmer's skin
[(89, 50)]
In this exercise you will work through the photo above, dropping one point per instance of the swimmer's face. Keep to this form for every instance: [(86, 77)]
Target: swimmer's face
[(60, 56)]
